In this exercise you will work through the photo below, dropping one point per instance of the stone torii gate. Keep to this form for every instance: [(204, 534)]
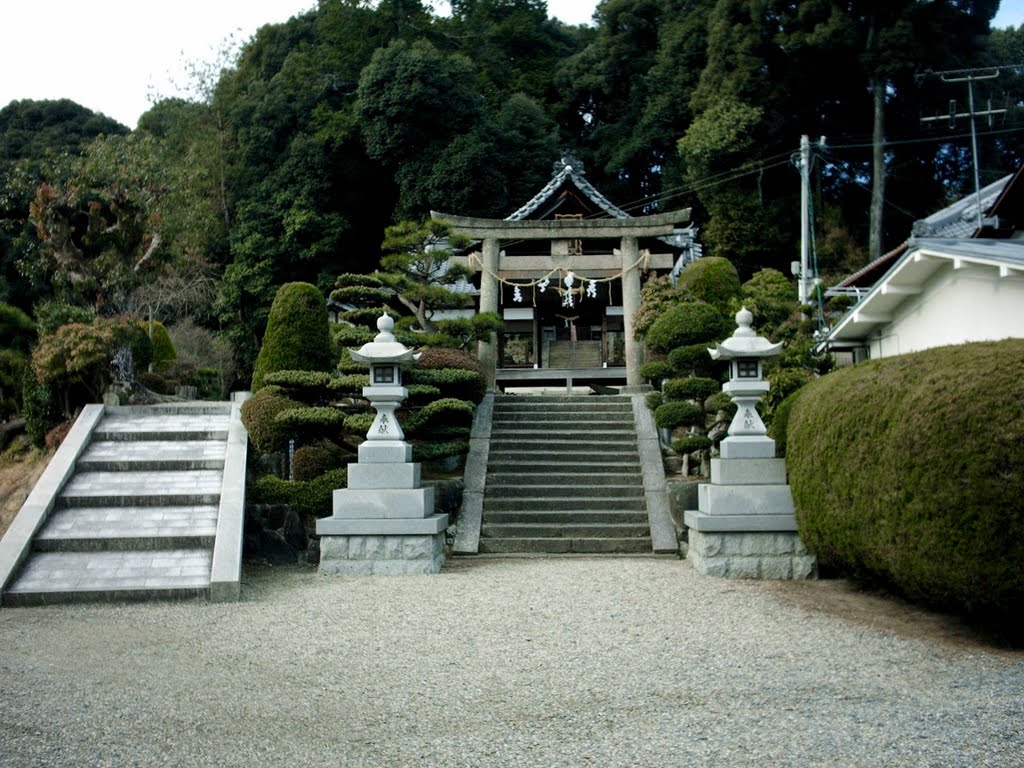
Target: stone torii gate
[(560, 232)]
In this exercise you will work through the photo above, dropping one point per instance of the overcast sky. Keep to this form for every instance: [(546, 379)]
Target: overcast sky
[(114, 56)]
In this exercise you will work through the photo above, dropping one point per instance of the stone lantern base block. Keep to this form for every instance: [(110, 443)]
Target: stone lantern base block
[(384, 452), (382, 547), (362, 504), (751, 555), (747, 447)]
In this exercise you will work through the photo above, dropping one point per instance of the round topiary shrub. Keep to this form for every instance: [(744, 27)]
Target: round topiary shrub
[(713, 280), (442, 418), (309, 423), (693, 388), (910, 471), (259, 415), (679, 414), (297, 336), (686, 324)]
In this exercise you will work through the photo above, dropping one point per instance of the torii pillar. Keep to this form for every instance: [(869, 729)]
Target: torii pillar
[(629, 251), (490, 290)]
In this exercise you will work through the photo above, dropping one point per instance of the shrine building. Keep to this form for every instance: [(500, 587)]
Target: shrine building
[(564, 273)]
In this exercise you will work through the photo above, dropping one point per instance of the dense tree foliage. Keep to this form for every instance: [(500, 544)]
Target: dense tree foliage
[(293, 158)]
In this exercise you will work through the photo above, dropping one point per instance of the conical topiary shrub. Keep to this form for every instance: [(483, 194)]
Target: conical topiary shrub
[(297, 337)]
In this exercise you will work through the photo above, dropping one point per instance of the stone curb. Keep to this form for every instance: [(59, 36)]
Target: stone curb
[(226, 567), (663, 531), (467, 529)]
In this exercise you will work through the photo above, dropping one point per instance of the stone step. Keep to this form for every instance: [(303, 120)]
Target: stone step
[(542, 410), (55, 577), (573, 400), (562, 446), (121, 489), (562, 418), (563, 504), (565, 530), (566, 517), (162, 425), (561, 479), (568, 490), (143, 455), (559, 546), (592, 465), (567, 426), (127, 528)]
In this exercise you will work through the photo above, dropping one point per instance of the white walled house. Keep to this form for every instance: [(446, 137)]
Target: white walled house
[(952, 282), (939, 292)]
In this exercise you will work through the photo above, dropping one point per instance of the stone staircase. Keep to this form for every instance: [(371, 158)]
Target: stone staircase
[(140, 511), (564, 476)]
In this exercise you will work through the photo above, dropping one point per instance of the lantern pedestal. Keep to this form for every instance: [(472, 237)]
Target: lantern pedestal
[(743, 526), (383, 522)]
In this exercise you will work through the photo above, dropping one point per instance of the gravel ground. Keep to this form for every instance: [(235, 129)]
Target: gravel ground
[(497, 662)]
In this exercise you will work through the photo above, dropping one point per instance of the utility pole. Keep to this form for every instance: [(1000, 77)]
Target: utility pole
[(969, 76), (804, 165)]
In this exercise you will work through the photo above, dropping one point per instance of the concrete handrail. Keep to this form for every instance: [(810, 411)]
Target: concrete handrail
[(226, 568)]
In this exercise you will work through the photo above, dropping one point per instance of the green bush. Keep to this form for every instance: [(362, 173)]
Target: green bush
[(312, 461), (693, 388), (656, 370), (771, 298), (51, 315), (309, 423), (458, 383), (691, 444), (433, 358), (361, 295), (359, 423), (39, 407), (297, 336), (17, 331), (344, 336), (686, 324), (350, 385), (421, 394), (656, 296), (679, 414), (694, 360), (779, 426), (307, 386), (910, 471), (13, 365), (351, 278), (447, 417), (437, 450), (719, 402), (784, 382), (366, 316), (653, 400), (163, 348), (309, 498), (259, 415), (713, 280)]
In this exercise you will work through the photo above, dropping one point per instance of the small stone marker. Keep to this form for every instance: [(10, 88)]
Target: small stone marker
[(384, 522), (744, 525)]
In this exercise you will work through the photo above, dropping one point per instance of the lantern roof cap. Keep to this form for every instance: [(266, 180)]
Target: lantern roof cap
[(384, 348), (744, 342)]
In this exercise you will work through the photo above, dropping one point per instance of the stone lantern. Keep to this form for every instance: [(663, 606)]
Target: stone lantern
[(746, 351), (744, 525), (384, 521)]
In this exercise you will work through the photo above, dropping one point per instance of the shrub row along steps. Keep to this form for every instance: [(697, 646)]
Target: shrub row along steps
[(138, 518), (563, 476)]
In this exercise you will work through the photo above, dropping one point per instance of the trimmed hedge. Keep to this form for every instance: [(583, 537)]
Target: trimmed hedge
[(910, 471), (307, 423), (679, 414), (434, 451), (308, 386), (444, 417), (691, 444), (685, 325), (693, 388), (453, 382), (312, 497), (361, 295), (433, 358), (297, 336)]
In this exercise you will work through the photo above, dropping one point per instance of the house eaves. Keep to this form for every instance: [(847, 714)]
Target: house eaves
[(906, 278)]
